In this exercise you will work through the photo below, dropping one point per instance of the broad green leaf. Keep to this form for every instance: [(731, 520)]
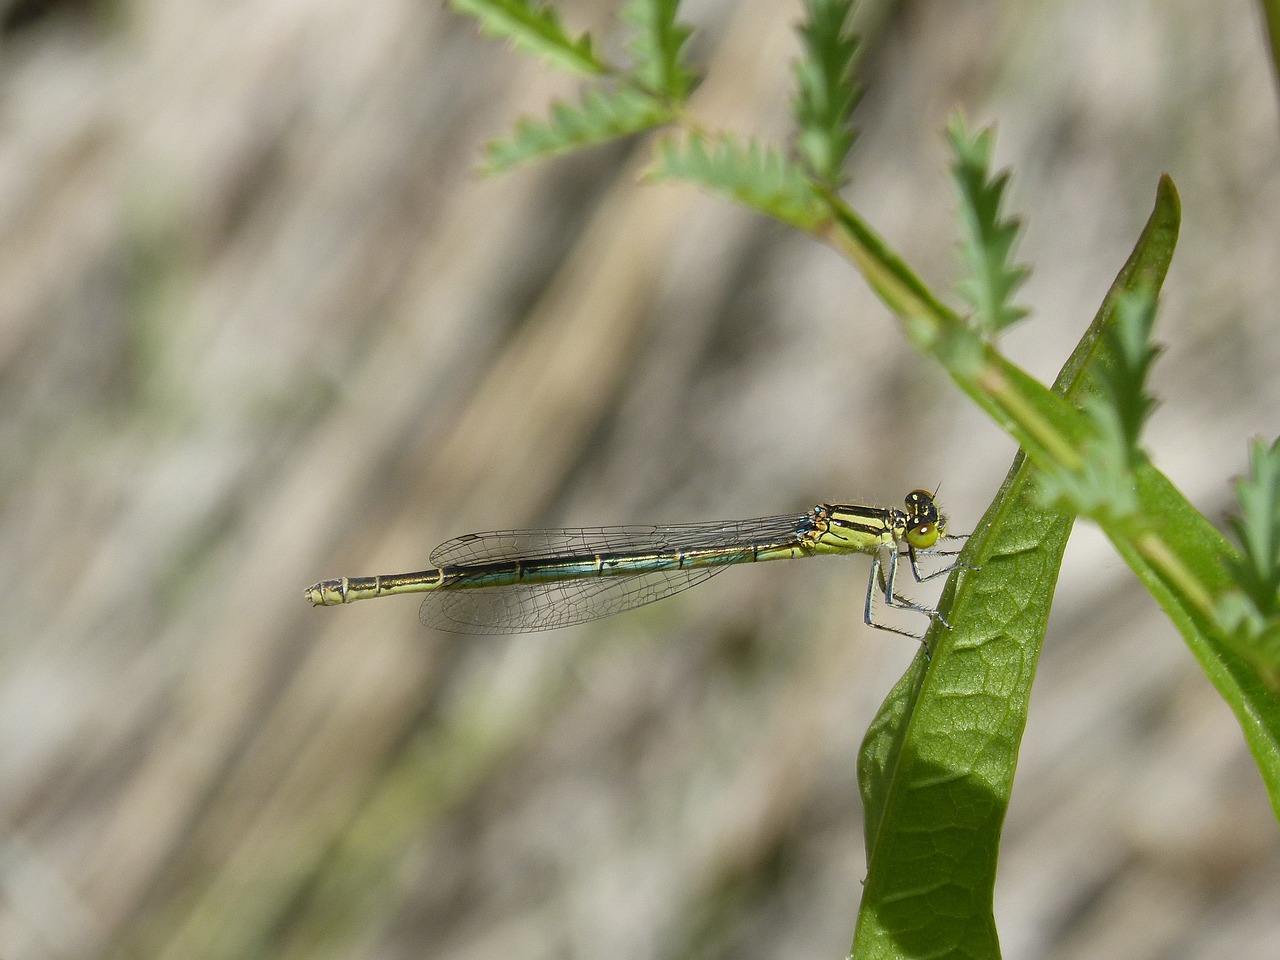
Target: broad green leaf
[(882, 749), (1186, 563), (937, 766)]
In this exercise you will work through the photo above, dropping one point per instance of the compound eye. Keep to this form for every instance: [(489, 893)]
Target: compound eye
[(924, 535), (926, 525)]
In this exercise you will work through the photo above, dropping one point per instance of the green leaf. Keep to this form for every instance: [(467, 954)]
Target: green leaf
[(1258, 528), (1174, 550), (1102, 481), (536, 29), (1117, 409), (599, 117), (1185, 563), (1123, 381), (937, 766), (987, 240), (753, 174), (1249, 612), (1178, 555), (882, 749), (825, 91), (657, 47)]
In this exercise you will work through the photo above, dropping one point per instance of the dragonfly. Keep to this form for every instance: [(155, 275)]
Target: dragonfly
[(514, 581)]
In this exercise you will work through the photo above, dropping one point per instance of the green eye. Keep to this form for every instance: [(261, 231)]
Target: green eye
[(924, 524), (925, 535)]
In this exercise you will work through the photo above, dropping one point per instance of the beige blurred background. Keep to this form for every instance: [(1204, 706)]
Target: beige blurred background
[(261, 324)]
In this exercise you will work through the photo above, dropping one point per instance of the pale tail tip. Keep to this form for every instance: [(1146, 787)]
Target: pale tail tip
[(326, 593)]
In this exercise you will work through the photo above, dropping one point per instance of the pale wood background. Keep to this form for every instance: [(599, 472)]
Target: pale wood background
[(260, 324)]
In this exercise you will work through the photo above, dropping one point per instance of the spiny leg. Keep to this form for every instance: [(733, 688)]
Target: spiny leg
[(884, 583), (924, 577)]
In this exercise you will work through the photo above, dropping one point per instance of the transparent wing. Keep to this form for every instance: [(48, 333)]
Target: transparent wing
[(515, 608), (501, 545), (518, 607)]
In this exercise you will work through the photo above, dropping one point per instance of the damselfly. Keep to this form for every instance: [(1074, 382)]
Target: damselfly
[(510, 581)]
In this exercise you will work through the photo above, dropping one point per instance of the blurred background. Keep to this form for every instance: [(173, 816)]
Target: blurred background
[(261, 323)]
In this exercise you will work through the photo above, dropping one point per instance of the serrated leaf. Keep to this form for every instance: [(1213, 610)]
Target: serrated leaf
[(1102, 484), (1123, 381), (825, 91), (987, 240), (751, 173), (598, 117), (1257, 526), (534, 28), (656, 47), (1250, 611)]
